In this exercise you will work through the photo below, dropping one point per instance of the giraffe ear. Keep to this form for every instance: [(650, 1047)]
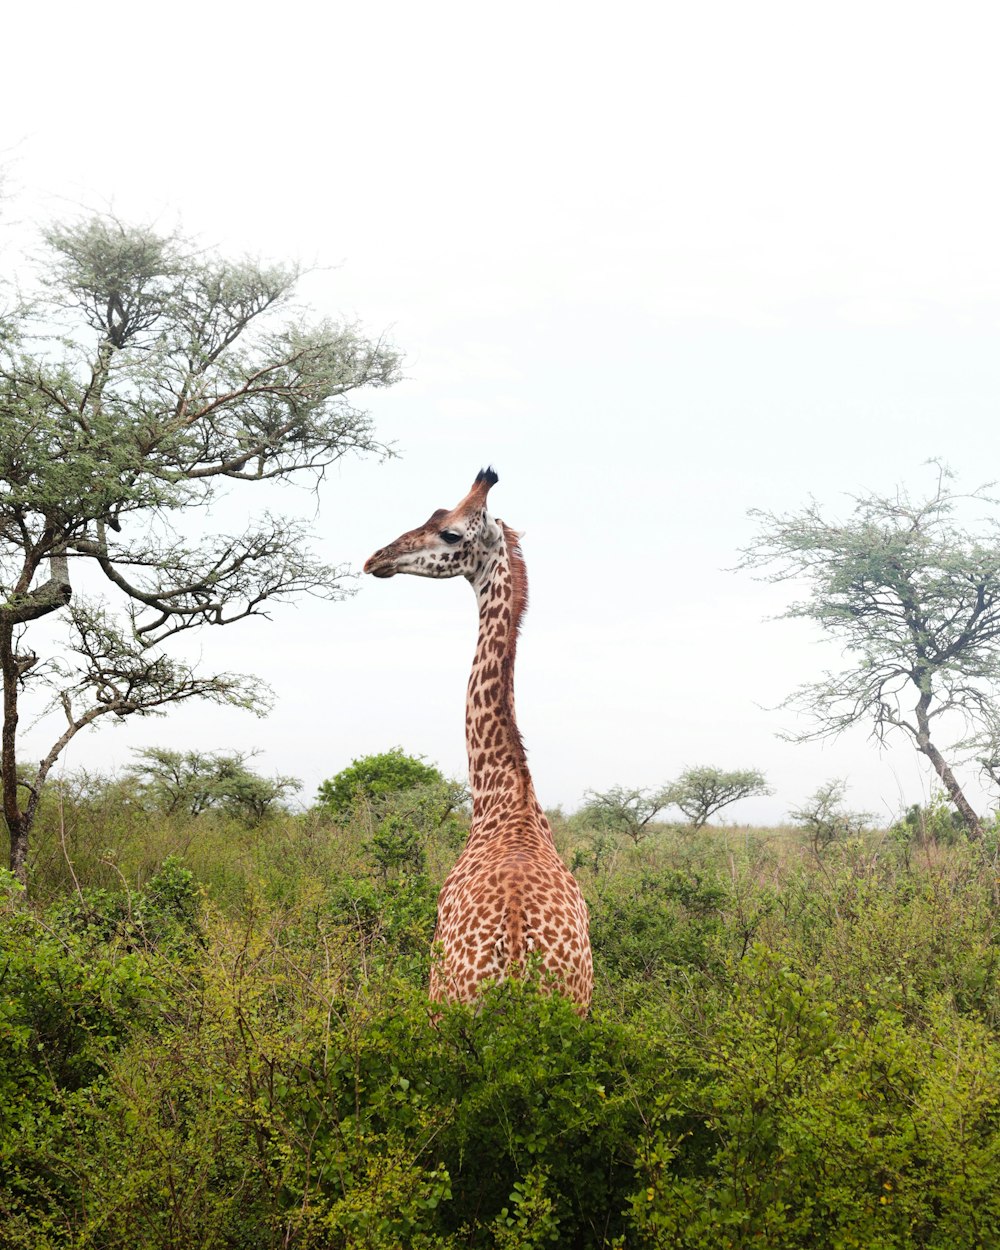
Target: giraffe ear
[(492, 533)]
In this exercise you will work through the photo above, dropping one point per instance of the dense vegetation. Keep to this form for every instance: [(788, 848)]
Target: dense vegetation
[(214, 1033)]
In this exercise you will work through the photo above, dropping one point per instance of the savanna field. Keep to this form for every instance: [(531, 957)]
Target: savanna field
[(214, 1032), (214, 1025)]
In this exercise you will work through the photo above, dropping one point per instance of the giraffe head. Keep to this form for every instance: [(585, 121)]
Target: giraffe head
[(449, 543)]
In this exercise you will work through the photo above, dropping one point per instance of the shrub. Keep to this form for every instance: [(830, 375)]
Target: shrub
[(644, 929), (374, 776), (824, 818), (936, 821), (783, 1051), (801, 1125)]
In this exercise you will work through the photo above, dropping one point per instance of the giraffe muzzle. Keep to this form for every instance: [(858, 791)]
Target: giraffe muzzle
[(381, 564)]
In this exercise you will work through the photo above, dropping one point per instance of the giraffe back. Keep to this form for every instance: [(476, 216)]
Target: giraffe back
[(510, 897)]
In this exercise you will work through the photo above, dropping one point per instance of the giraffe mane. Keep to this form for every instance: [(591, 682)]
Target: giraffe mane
[(518, 575), (519, 602)]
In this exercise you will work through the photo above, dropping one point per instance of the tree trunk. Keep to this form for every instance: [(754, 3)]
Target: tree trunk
[(19, 850), (972, 822), (49, 597), (8, 755)]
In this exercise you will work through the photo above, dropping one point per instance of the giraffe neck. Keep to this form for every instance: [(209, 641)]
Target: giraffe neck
[(498, 766)]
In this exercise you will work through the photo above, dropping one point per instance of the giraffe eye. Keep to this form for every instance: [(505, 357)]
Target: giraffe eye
[(450, 536)]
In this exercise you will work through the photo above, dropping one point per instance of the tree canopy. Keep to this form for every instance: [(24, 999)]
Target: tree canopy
[(703, 791), (913, 597), (374, 777), (698, 792), (141, 376), (824, 817), (625, 811), (194, 781)]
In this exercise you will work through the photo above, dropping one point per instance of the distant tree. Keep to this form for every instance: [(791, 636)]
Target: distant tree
[(825, 819), (248, 795), (914, 599), (144, 373), (374, 777), (624, 811), (174, 782), (702, 792), (193, 781)]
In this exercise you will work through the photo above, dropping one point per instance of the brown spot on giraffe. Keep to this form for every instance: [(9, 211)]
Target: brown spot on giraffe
[(509, 894)]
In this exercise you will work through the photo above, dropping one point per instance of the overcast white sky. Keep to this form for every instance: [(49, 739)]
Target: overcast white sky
[(658, 264)]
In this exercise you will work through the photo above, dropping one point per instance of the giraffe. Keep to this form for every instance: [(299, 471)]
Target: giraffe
[(509, 894)]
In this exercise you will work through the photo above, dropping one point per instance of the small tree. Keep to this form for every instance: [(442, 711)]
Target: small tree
[(174, 782), (914, 599), (701, 792), (144, 373), (373, 777), (402, 803), (193, 781), (624, 811), (602, 848), (825, 819), (248, 795)]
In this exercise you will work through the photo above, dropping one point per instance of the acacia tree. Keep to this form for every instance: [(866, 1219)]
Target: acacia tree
[(625, 811), (703, 791), (193, 781), (141, 376), (825, 819), (914, 599)]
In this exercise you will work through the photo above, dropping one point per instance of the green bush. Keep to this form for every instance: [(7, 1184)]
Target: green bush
[(936, 821), (808, 1123), (390, 923), (68, 1003), (649, 927), (373, 777), (163, 913), (234, 1049)]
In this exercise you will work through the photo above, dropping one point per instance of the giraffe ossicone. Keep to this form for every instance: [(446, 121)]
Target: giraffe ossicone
[(509, 899)]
